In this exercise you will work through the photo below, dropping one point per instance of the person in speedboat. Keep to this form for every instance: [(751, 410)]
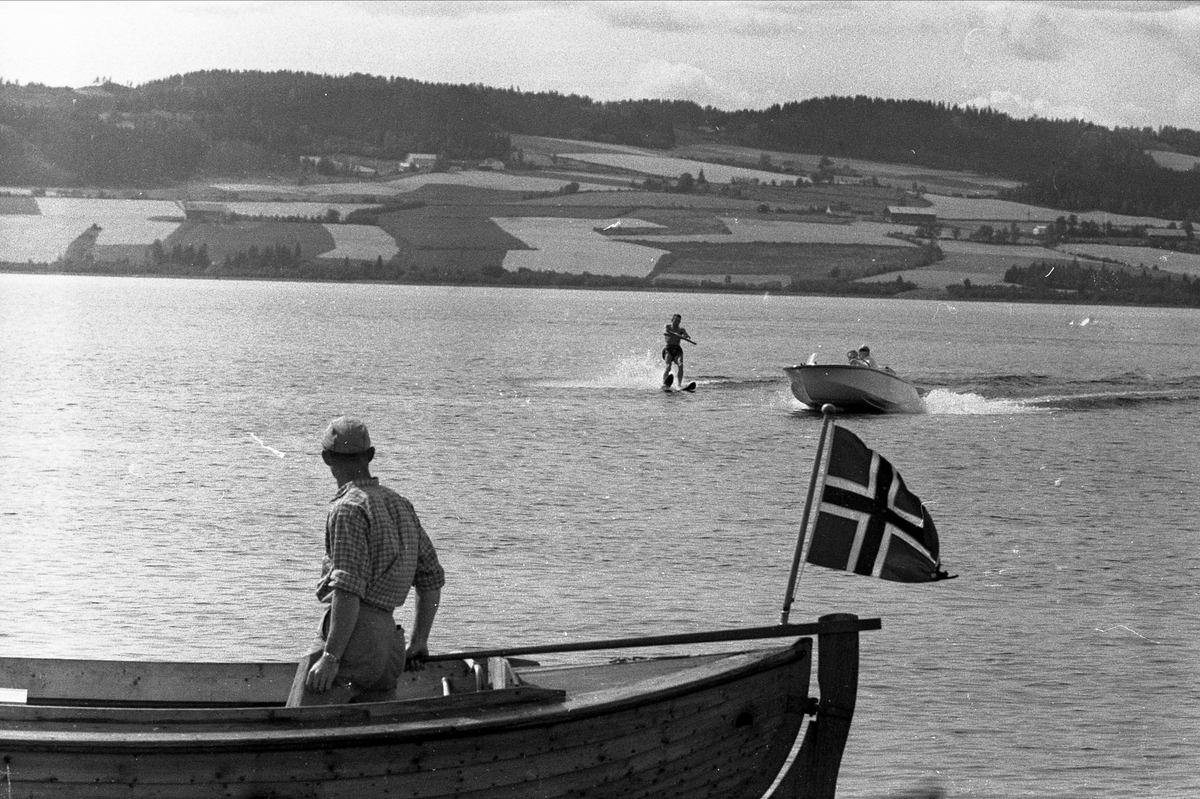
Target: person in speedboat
[(864, 356)]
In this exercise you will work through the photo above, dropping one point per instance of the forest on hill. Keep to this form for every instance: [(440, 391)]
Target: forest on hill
[(228, 122)]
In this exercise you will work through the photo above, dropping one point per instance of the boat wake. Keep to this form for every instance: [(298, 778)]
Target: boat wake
[(944, 401), (1033, 393)]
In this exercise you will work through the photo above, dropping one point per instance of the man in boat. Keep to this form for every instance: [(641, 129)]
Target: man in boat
[(673, 352), (864, 355), (375, 551)]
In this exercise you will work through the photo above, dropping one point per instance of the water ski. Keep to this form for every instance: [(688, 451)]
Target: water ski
[(671, 379)]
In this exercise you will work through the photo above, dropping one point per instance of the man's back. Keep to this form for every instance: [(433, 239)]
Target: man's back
[(378, 548)]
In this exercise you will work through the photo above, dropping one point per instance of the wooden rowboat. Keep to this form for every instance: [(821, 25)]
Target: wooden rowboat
[(710, 725)]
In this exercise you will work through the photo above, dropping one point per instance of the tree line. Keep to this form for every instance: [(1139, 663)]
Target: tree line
[(204, 122), (1075, 283)]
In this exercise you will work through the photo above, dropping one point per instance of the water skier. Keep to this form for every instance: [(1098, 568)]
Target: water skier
[(673, 353)]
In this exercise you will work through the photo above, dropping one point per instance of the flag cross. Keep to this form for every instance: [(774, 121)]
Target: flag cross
[(866, 521), (875, 510)]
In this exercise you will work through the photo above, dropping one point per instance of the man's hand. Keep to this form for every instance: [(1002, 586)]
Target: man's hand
[(321, 675), (414, 656)]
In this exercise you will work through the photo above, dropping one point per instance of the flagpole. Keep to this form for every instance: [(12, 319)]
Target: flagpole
[(827, 411)]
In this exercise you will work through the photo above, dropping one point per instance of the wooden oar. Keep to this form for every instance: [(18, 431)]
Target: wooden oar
[(743, 634)]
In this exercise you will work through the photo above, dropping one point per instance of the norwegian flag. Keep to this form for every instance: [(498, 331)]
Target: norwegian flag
[(867, 522)]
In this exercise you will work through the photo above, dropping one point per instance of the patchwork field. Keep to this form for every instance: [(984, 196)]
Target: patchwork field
[(453, 223), (754, 229), (60, 220), (982, 264), (305, 210), (563, 244), (798, 262), (951, 209), (227, 240), (1183, 263), (286, 191), (667, 167), (746, 159)]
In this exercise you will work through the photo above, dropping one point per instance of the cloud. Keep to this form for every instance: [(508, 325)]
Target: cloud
[(1177, 33), (1020, 107), (1038, 36), (671, 81), (655, 17)]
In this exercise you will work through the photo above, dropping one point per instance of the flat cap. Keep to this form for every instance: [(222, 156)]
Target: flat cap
[(346, 435)]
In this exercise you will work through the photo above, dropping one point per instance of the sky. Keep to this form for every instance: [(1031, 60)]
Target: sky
[(1116, 64)]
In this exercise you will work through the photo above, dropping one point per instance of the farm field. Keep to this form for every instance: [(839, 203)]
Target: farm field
[(127, 227), (397, 186), (473, 220), (494, 180), (36, 238), (1179, 262), (293, 191), (796, 262), (982, 264), (1014, 253), (227, 240), (992, 210), (1181, 162), (18, 205), (46, 236), (747, 230), (668, 167), (693, 156), (306, 210), (898, 174), (643, 199), (359, 243), (563, 244)]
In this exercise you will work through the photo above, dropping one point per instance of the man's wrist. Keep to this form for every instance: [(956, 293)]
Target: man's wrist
[(327, 654)]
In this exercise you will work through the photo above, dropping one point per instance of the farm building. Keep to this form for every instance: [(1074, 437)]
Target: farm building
[(418, 161), (203, 211), (908, 215)]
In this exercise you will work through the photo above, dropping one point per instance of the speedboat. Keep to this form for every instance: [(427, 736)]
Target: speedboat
[(854, 389)]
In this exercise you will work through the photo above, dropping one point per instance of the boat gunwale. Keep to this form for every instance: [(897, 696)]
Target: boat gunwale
[(372, 724)]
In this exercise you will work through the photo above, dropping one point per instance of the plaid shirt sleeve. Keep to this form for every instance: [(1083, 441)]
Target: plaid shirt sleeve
[(430, 574), (348, 562)]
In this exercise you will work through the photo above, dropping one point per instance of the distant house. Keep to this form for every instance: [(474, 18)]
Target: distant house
[(194, 211), (909, 215), (418, 161)]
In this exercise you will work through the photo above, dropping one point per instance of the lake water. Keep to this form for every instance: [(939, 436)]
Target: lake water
[(163, 496)]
